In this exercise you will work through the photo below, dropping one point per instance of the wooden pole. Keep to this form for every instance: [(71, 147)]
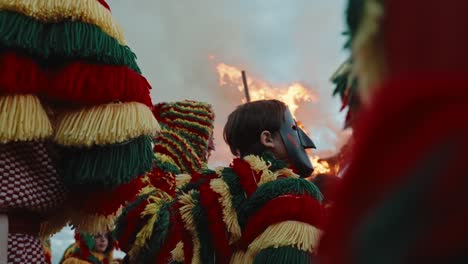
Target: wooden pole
[(246, 87)]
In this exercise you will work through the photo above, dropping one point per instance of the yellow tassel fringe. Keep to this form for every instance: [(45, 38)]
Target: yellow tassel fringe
[(93, 223), (182, 179), (229, 214), (303, 236), (187, 218), (178, 253), (88, 11), (105, 124), (22, 118), (53, 223), (259, 165), (240, 257)]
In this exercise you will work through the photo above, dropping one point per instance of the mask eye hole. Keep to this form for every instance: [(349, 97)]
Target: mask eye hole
[(294, 127)]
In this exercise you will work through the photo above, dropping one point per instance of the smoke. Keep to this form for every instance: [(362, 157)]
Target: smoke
[(278, 41)]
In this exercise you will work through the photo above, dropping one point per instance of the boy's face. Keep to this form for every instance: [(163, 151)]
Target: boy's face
[(295, 143)]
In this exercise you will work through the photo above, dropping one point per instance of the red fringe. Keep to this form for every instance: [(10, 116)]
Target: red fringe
[(173, 237), (218, 231), (77, 82), (246, 175), (185, 235), (302, 208), (106, 201), (20, 74), (91, 84), (162, 180), (103, 3), (133, 222)]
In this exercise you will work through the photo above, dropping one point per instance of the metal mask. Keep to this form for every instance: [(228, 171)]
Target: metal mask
[(296, 142)]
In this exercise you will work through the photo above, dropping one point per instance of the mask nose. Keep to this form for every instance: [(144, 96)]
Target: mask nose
[(306, 141)]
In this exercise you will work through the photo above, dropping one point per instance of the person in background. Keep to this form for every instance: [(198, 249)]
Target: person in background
[(94, 249), (258, 209), (402, 197)]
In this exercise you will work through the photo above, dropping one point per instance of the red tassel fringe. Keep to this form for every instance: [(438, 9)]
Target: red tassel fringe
[(302, 208), (246, 175), (218, 231), (20, 74), (77, 82), (106, 201)]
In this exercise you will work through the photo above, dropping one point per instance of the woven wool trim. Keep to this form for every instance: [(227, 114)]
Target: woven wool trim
[(105, 124), (88, 11), (22, 118)]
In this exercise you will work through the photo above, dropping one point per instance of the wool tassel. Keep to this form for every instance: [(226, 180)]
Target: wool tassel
[(105, 124), (20, 74), (88, 11), (109, 165), (84, 83), (188, 204), (177, 254), (22, 118), (300, 235), (69, 40), (93, 223)]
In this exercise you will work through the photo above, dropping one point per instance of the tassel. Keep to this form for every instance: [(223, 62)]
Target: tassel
[(107, 166), (93, 223), (91, 84), (105, 124), (22, 118), (54, 222), (88, 11), (20, 74), (70, 40), (300, 235)]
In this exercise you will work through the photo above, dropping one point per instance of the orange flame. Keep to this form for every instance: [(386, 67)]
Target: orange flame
[(320, 166), (292, 95)]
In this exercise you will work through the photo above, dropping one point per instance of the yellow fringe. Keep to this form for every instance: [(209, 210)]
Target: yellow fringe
[(93, 223), (178, 253), (105, 124), (187, 218), (182, 179), (229, 214), (74, 261), (144, 234), (165, 158), (303, 236), (370, 24), (88, 11), (259, 165), (286, 172), (240, 257), (22, 118)]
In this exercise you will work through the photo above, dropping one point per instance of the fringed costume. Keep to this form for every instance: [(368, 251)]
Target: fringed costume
[(403, 196), (67, 79)]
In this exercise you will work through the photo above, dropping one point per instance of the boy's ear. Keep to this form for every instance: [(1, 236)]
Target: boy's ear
[(266, 138)]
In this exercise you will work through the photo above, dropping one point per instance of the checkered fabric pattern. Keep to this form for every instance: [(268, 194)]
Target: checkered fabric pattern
[(25, 249), (28, 177)]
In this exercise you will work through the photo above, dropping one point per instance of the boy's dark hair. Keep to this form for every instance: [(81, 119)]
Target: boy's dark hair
[(244, 126)]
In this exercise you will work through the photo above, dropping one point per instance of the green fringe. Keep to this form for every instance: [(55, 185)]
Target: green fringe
[(201, 224), (283, 255), (235, 188), (121, 222), (166, 166), (107, 166), (71, 40), (271, 190), (158, 237)]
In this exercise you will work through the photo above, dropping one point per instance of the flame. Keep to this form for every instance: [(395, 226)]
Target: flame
[(292, 95), (320, 166)]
